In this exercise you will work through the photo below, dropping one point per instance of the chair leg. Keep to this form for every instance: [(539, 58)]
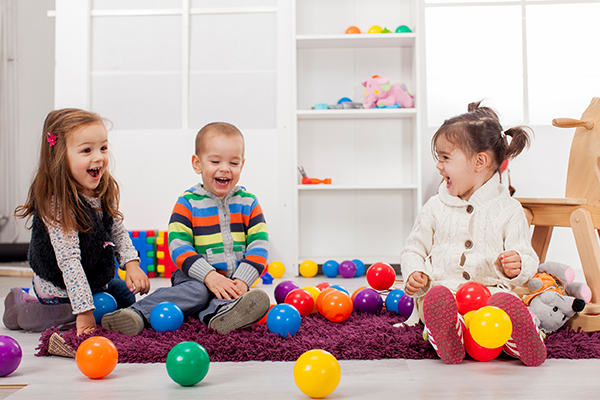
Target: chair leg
[(588, 248), (540, 240)]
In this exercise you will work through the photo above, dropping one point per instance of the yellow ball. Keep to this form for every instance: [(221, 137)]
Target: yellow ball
[(314, 292), (121, 274), (490, 327), (276, 269), (255, 283), (308, 269), (375, 29), (317, 373), (467, 318)]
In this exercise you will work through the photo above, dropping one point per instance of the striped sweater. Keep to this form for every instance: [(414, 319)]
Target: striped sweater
[(229, 235)]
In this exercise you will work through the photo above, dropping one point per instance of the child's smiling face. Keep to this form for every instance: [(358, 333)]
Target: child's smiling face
[(220, 163), (87, 155), (457, 169)]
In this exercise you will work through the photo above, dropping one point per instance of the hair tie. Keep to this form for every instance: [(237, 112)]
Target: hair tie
[(502, 134), (51, 139)]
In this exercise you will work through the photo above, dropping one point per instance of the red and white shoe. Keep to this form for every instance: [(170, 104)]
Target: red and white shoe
[(444, 326), (526, 341)]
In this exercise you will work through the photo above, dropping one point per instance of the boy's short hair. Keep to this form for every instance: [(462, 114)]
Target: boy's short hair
[(217, 128)]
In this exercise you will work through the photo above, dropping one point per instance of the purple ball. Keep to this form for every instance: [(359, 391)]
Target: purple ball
[(10, 355), (405, 306), (282, 290), (347, 269), (368, 300)]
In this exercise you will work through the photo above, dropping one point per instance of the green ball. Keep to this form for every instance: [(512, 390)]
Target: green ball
[(187, 363), (403, 29)]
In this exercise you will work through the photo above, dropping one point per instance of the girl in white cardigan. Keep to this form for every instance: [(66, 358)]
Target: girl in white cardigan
[(472, 230)]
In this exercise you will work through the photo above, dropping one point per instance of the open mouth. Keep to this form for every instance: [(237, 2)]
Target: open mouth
[(94, 172), (222, 181)]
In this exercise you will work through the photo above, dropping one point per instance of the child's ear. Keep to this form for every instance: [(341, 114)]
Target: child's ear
[(482, 161), (196, 164)]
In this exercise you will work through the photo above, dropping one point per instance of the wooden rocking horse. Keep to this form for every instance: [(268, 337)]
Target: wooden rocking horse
[(579, 210)]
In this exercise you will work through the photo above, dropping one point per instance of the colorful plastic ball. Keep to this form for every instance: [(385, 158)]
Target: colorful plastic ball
[(96, 357), (308, 268), (344, 100), (302, 300), (166, 316), (317, 373), (360, 268), (336, 306), (105, 303), (368, 301), (472, 296), (356, 291), (478, 352), (187, 363), (403, 29), (347, 269), (284, 320), (264, 319), (406, 304), (10, 355), (314, 292), (352, 30), (282, 289), (331, 268), (323, 285), (381, 276), (467, 318), (340, 288), (276, 269), (121, 274), (490, 327), (375, 29), (322, 295), (392, 299)]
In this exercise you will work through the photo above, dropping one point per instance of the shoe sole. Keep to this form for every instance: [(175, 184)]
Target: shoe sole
[(440, 313), (13, 303), (123, 321), (532, 350), (39, 317), (248, 310)]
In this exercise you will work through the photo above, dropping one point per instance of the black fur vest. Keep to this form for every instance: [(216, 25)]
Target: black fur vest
[(97, 256)]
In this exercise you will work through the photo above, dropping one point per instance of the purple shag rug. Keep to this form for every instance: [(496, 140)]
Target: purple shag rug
[(360, 337)]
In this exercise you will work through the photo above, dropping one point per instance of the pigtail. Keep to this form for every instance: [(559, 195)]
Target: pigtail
[(520, 140)]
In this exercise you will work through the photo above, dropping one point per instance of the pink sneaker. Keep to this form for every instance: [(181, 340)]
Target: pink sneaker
[(443, 325), (526, 341), (15, 300)]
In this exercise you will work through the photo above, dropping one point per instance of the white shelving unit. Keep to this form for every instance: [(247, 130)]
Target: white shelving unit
[(371, 155)]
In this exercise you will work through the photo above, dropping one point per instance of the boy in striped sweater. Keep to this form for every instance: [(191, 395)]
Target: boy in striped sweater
[(218, 239)]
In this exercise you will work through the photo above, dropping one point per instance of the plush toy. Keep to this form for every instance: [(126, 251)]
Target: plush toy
[(554, 296), (379, 92)]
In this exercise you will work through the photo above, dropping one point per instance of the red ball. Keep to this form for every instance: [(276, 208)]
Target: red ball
[(478, 352), (381, 276), (472, 296), (302, 300), (323, 285), (337, 306)]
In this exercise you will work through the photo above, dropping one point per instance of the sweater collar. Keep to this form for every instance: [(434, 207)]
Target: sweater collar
[(489, 190), (200, 190)]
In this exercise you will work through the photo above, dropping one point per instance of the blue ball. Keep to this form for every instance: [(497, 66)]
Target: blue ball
[(284, 320), (331, 268), (392, 299), (360, 268), (105, 303), (166, 316), (340, 288)]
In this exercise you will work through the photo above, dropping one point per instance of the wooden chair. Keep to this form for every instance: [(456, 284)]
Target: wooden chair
[(580, 209)]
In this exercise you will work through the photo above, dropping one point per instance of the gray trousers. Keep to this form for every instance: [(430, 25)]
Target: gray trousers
[(192, 296)]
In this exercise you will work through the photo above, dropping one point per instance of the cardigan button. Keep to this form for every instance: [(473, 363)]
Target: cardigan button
[(466, 275), (469, 209), (468, 244)]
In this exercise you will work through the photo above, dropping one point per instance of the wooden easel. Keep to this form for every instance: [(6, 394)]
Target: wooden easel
[(579, 210)]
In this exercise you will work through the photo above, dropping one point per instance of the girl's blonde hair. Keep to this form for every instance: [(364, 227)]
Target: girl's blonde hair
[(53, 188), (479, 130)]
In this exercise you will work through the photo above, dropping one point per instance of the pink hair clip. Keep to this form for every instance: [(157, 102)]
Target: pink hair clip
[(51, 139)]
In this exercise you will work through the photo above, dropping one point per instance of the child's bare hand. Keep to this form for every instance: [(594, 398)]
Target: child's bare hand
[(241, 285), (85, 322), (511, 263), (221, 286), (136, 280), (415, 282)]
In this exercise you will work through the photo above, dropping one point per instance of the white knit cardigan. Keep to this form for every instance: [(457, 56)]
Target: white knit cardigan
[(455, 241)]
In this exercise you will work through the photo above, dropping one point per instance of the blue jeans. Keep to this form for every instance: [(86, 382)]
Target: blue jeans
[(119, 290)]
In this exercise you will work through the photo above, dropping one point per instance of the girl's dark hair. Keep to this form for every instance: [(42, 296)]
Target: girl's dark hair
[(479, 130), (53, 181)]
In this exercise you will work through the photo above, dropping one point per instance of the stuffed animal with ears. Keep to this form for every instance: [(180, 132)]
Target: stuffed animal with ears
[(554, 296), (380, 93)]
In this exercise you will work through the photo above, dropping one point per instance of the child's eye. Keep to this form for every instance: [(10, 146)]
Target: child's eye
[(234, 163), (86, 150), (104, 148)]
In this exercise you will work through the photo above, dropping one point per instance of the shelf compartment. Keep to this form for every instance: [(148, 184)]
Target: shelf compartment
[(321, 187), (364, 40), (371, 113)]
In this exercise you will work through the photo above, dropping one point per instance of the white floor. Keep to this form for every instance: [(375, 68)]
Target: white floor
[(58, 378)]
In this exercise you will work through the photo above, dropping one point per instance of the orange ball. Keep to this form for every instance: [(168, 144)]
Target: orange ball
[(322, 295), (352, 29), (357, 290), (96, 357), (337, 306), (264, 319)]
